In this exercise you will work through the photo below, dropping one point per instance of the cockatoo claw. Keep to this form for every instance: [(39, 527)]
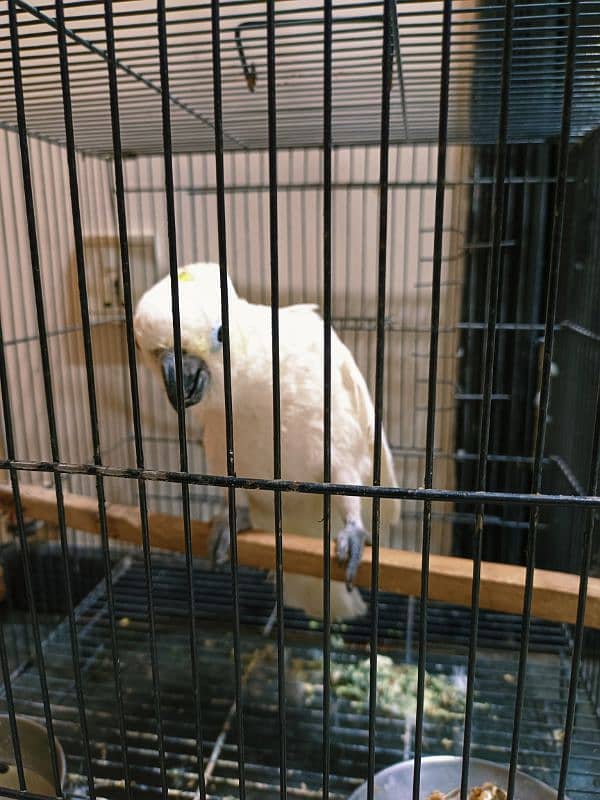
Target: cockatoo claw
[(350, 543), (219, 539), (218, 543)]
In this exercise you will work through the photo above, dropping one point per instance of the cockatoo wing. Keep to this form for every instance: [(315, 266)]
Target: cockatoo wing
[(364, 413)]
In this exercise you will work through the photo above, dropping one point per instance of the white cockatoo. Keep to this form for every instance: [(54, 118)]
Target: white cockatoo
[(302, 423)]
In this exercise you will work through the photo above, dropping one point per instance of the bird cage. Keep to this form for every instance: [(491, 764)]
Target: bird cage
[(427, 174)]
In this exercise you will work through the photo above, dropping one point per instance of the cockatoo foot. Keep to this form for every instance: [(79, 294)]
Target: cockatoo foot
[(219, 540), (350, 543)]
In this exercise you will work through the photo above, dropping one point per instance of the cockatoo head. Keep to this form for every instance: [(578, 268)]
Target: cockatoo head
[(201, 331)]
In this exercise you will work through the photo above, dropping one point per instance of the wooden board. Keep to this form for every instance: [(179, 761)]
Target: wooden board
[(502, 586)]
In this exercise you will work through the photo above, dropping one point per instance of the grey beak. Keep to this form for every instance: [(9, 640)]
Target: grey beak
[(195, 378)]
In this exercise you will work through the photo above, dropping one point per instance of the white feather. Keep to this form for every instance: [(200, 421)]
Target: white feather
[(301, 403)]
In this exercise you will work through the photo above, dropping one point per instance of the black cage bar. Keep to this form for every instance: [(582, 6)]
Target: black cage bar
[(427, 174)]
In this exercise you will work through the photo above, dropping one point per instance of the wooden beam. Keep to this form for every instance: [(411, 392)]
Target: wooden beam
[(124, 525), (502, 585)]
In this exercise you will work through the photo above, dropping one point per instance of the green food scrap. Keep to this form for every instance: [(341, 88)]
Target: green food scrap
[(396, 687)]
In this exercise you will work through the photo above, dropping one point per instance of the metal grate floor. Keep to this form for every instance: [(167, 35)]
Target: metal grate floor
[(448, 633)]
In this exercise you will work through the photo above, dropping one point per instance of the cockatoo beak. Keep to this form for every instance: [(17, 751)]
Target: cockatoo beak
[(195, 378)]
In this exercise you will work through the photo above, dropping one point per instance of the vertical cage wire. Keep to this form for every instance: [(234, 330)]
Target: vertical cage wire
[(5, 668), (489, 344), (327, 293), (386, 83), (181, 421), (49, 400), (274, 264), (229, 434), (226, 200), (536, 481), (133, 376), (432, 386), (92, 398), (581, 605)]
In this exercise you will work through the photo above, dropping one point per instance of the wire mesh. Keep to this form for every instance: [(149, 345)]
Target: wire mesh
[(427, 175), (540, 36), (547, 678)]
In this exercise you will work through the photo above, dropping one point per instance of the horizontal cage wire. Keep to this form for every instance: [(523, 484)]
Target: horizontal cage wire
[(426, 174), (539, 46)]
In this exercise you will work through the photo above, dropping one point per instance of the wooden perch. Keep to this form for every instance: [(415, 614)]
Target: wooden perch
[(554, 598)]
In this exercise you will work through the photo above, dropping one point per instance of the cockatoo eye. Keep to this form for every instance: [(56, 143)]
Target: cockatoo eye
[(217, 337)]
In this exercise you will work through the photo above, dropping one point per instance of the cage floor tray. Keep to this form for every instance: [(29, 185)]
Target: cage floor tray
[(448, 634)]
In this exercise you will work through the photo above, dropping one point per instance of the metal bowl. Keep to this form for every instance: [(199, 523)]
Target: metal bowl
[(35, 752), (443, 773)]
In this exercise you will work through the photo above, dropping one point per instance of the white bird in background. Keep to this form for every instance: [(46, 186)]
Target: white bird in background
[(302, 425)]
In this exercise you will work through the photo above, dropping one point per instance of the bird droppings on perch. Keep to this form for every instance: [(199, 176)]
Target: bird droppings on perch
[(555, 594)]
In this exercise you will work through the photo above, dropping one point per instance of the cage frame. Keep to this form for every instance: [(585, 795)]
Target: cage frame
[(533, 500)]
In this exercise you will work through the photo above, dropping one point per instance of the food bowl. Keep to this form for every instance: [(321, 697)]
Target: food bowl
[(35, 753), (443, 773)]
